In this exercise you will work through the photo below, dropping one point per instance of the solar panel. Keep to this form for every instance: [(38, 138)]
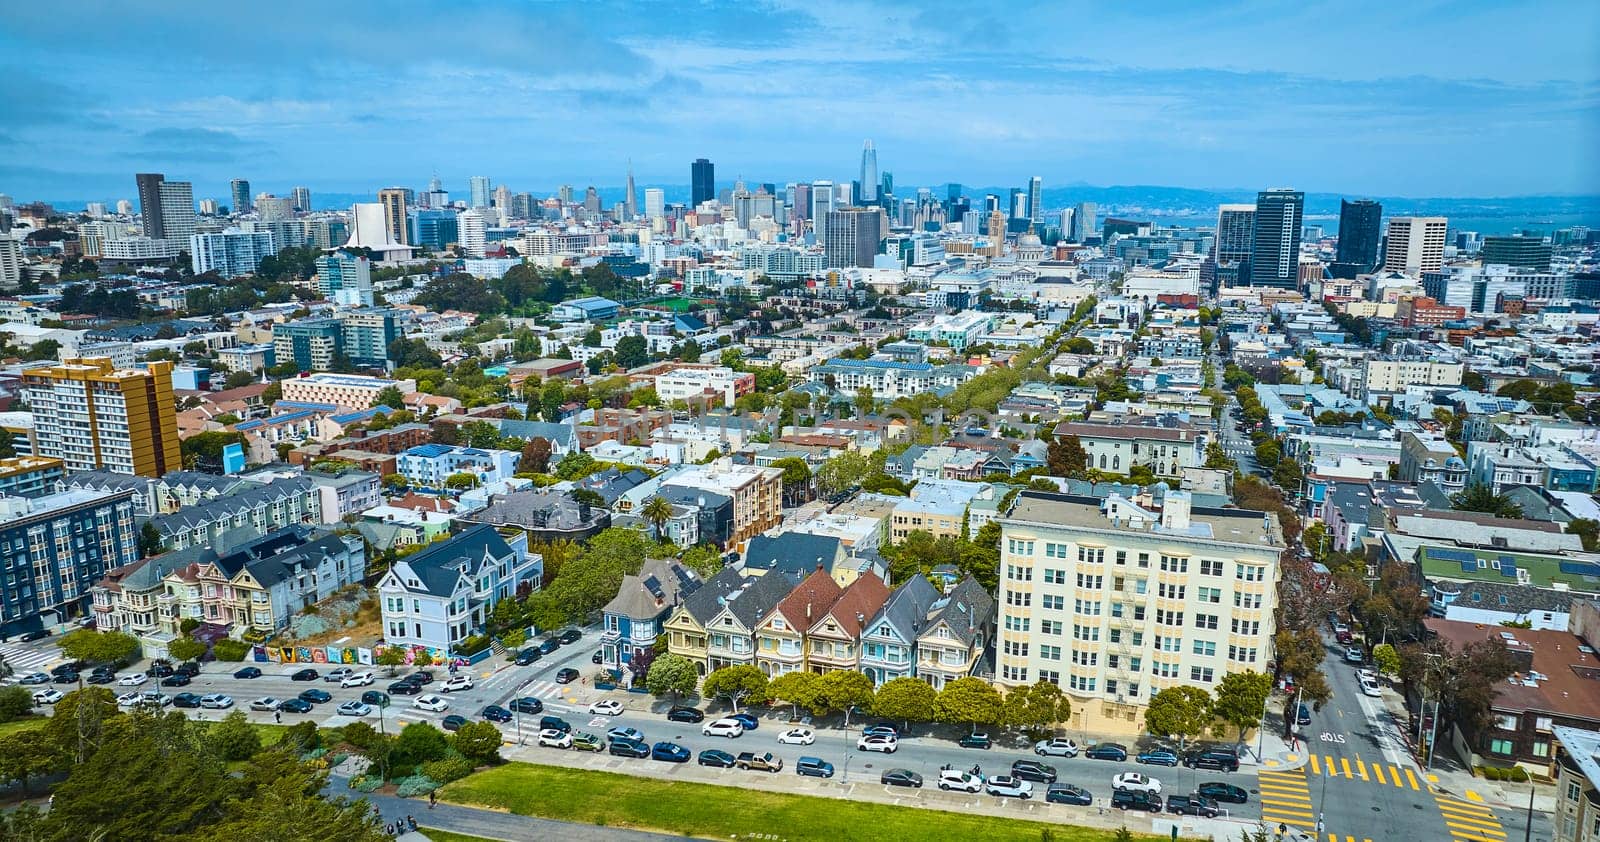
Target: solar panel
[(1447, 554), (653, 585), (1580, 568), (1469, 567), (1508, 570), (1505, 560)]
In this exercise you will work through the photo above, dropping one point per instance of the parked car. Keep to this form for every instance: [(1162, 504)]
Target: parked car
[(376, 698), (316, 696), (670, 752), (555, 739), (216, 701), (527, 704), (356, 679), (887, 745), (189, 668), (266, 703), (338, 674), (66, 678), (717, 758), (132, 679), (1370, 687), (901, 777), (1157, 757), (128, 700), (569, 636), (606, 707), (566, 676), (549, 645), (1136, 782), (1221, 759), (101, 678), (1354, 655), (685, 714), (48, 696), (495, 713), (1344, 636), (723, 728), (1033, 770), (749, 722), (453, 722), (585, 741), (621, 733), (186, 700), (354, 708), (881, 729), (797, 737), (247, 672), (176, 680), (1303, 715), (975, 740), (421, 678), (295, 706), (762, 761), (31, 636), (159, 669), (1127, 799), (597, 658), (527, 656), (70, 666), (1058, 747), (1107, 751), (456, 683), (959, 780), (1007, 786), (629, 748), (1060, 793), (1225, 792), (306, 674), (1192, 805), (405, 688), (813, 767), (35, 678), (555, 722), (433, 702)]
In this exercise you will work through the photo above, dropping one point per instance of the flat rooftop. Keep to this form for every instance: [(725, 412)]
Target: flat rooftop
[(1233, 526)]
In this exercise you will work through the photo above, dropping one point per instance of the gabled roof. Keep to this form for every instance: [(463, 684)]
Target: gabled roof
[(793, 551), (286, 565), (659, 585), (441, 565), (705, 602), (810, 600), (906, 607), (859, 603), (759, 597), (244, 499), (966, 610)]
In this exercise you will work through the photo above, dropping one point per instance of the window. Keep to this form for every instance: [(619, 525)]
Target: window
[(1200, 674), (1573, 790), (1246, 600), (1169, 618), (1092, 555), (1020, 599), (1133, 688), (1501, 747), (1016, 647), (1056, 602), (1205, 647), (1213, 595), (1122, 556), (1052, 627), (1111, 687), (1055, 550), (1015, 623), (1051, 676), (1019, 547), (1080, 683), (1116, 636), (1242, 654), (1169, 644), (1091, 583), (1014, 673), (1247, 627), (1205, 621), (1175, 564), (1166, 591), (1054, 577), (1019, 573), (1541, 748), (1086, 606), (1249, 572), (1050, 653), (1144, 559), (1085, 659), (1209, 567), (1542, 723), (1505, 722), (1089, 634), (1163, 670)]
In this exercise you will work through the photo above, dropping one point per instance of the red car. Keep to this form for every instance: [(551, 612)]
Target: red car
[(1346, 637)]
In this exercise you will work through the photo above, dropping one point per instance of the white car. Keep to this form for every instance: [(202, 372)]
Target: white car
[(555, 738), (432, 702), (356, 679), (875, 742), (128, 700), (729, 728), (797, 737), (47, 697), (265, 703), (1058, 747), (606, 707), (154, 698), (1370, 686), (1009, 787), (456, 682), (216, 701), (132, 679), (354, 708), (959, 780), (1136, 782)]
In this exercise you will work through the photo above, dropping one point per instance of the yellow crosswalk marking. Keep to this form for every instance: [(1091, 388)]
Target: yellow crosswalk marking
[(1394, 772), (1345, 762), (1377, 772), (1412, 779), (1462, 808), (1361, 768), (1475, 837), (1470, 821), (1333, 768), (1495, 832), (1315, 768)]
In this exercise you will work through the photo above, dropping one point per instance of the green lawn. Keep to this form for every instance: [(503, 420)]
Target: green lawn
[(26, 723), (608, 799), (438, 835)]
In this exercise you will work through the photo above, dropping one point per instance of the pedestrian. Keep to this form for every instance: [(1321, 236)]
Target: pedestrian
[(277, 716), (433, 797)]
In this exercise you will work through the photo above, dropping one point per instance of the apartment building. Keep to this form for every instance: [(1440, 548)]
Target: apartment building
[(1113, 448), (1115, 602), (93, 416), (348, 390), (692, 383), (429, 465), (29, 476), (1396, 375), (889, 379), (757, 493), (1415, 244), (263, 507), (731, 631), (52, 550), (1577, 811), (436, 598)]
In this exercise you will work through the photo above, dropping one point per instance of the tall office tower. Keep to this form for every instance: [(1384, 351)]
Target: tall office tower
[(886, 184), (1415, 244), (1275, 256), (591, 200), (345, 278), (95, 210), (821, 204), (177, 210), (478, 190), (270, 208), (6, 202), (11, 261), (94, 417), (1084, 223), (523, 206), (1236, 234), (124, 207), (1065, 223), (149, 188), (853, 236), (564, 194), (434, 228), (471, 232), (655, 202), (991, 203), (1017, 202), (1360, 232), (393, 200), (239, 190), (1036, 200), (869, 173), (300, 197), (702, 182), (1526, 252), (630, 202), (502, 198)]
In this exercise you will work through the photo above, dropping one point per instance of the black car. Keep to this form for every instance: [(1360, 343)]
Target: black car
[(307, 674), (527, 656), (405, 688), (70, 666), (421, 678), (569, 636), (1192, 805), (186, 700), (716, 757), (496, 713), (376, 698), (566, 676), (549, 645), (189, 668), (30, 636), (1127, 799), (1212, 758), (102, 677), (1033, 770), (527, 704), (685, 714), (176, 681), (901, 777), (975, 741), (68, 677), (316, 696), (453, 722), (1060, 793), (1107, 751), (629, 748), (597, 658), (248, 672), (159, 669), (1219, 791), (296, 705)]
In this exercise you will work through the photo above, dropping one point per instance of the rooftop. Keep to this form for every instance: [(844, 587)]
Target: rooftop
[(1231, 526), (1564, 676)]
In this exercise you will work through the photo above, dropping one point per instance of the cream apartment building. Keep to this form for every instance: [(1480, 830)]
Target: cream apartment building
[(1114, 602)]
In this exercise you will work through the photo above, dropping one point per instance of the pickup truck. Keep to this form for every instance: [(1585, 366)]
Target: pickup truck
[(764, 762)]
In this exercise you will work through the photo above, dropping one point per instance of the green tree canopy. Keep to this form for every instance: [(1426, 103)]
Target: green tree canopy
[(672, 674), (478, 742), (1241, 699), (736, 684), (1183, 712), (905, 699), (797, 688), (99, 647), (969, 700), (1037, 708)]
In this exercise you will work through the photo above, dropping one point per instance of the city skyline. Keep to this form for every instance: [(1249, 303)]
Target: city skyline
[(1230, 99)]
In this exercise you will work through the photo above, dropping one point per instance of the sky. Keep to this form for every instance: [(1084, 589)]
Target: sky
[(1374, 97)]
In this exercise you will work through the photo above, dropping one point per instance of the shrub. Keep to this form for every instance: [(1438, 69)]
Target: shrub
[(447, 770), (15, 703), (234, 738), (415, 785), (361, 735), (228, 649), (366, 783), (1492, 773), (1517, 774)]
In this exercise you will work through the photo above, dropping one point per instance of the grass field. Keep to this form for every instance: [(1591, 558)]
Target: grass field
[(604, 798), (438, 835), (25, 724)]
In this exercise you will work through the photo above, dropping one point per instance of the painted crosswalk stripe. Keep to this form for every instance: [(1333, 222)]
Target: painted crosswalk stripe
[(1315, 768), (1345, 762), (1471, 829), (1412, 779), (1377, 772)]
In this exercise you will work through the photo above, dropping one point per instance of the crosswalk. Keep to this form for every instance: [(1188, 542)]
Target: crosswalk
[(1286, 799), (1382, 774), (1467, 821), (24, 661)]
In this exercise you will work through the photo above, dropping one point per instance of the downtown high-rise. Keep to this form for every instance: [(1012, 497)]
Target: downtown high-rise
[(239, 192), (1415, 244), (702, 182), (1275, 250), (1360, 236), (869, 174)]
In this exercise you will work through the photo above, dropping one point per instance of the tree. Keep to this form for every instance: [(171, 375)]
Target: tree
[(461, 481), (796, 480), (844, 471), (1588, 531), (150, 543), (186, 649), (656, 511), (906, 699), (969, 700), (1036, 708), (798, 688), (478, 742), (736, 684), (23, 756), (392, 657), (228, 649), (1180, 711), (1241, 699), (237, 379), (15, 702), (391, 397), (98, 647), (1481, 498), (673, 674), (234, 738), (536, 455), (417, 744), (1067, 458), (865, 402), (843, 690), (631, 352), (1386, 659)]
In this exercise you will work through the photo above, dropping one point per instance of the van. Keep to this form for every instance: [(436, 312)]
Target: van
[(554, 722)]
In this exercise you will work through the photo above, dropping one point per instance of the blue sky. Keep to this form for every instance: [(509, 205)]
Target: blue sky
[(1411, 98)]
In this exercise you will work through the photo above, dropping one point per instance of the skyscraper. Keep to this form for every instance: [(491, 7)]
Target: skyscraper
[(702, 182), (1236, 232), (1275, 254), (1360, 232), (393, 200), (478, 190), (630, 202), (1084, 224), (1526, 252), (869, 174), (149, 188), (93, 416), (471, 232), (821, 204), (1036, 200), (853, 236), (655, 202), (591, 200), (1018, 203), (1415, 244), (177, 210), (239, 190), (301, 197)]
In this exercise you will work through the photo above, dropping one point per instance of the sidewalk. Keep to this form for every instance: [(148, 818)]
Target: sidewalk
[(1277, 754)]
